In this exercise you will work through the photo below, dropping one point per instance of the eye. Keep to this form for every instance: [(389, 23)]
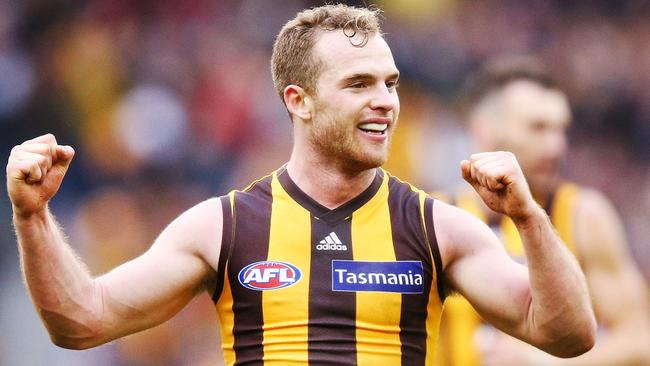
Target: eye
[(392, 85)]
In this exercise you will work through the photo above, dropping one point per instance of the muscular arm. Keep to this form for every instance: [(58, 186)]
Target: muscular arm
[(79, 311), (82, 312), (548, 305)]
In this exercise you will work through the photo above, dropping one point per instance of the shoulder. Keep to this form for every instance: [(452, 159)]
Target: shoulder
[(594, 211), (198, 230), (207, 212), (591, 202), (599, 230), (585, 199)]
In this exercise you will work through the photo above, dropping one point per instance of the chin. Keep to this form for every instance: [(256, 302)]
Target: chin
[(376, 160), (366, 162), (543, 185)]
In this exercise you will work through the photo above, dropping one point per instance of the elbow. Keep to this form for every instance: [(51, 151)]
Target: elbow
[(72, 343), (77, 340), (578, 341), (575, 347), (75, 334), (79, 325), (586, 337)]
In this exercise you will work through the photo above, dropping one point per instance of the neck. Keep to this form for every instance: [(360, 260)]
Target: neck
[(327, 182)]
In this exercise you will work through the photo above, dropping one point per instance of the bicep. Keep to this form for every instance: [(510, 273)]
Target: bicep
[(477, 266), (153, 287)]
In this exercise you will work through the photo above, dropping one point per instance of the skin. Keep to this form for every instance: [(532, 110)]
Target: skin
[(79, 311), (332, 161), (531, 121)]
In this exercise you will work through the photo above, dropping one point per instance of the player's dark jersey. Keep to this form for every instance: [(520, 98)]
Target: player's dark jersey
[(303, 284), (460, 321)]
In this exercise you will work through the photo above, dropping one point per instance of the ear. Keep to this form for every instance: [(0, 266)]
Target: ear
[(298, 102)]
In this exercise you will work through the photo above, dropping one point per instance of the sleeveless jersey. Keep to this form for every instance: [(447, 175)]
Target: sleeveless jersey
[(459, 319), (300, 284)]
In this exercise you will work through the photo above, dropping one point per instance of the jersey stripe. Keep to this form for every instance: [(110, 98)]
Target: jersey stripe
[(227, 322), (226, 244), (378, 313), (331, 323), (433, 247), (434, 306), (285, 334), (252, 210), (224, 302), (562, 212), (409, 241)]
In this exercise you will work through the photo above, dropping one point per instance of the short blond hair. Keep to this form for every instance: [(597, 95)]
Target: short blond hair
[(293, 61)]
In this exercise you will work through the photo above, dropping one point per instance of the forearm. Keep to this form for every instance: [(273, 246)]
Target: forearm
[(60, 286), (560, 314)]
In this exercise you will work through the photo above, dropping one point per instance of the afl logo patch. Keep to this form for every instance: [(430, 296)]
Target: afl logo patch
[(269, 275)]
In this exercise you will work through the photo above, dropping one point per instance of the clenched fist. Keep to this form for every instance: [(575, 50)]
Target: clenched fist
[(34, 173), (498, 179)]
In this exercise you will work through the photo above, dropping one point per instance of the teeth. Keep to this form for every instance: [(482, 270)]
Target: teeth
[(379, 127)]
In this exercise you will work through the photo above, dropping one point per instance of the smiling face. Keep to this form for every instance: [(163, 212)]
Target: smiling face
[(355, 106)]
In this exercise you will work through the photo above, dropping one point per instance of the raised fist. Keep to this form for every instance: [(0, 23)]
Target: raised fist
[(35, 171), (498, 179)]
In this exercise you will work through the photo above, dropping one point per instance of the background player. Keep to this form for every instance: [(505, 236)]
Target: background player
[(513, 104)]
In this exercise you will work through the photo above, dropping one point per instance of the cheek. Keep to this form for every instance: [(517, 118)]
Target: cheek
[(396, 111), (529, 142)]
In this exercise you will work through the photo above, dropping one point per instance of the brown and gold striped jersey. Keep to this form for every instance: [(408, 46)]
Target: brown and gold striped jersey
[(300, 284)]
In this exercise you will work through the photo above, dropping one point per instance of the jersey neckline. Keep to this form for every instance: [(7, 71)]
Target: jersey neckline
[(320, 212)]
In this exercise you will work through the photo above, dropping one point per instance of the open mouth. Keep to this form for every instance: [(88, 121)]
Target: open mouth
[(374, 128)]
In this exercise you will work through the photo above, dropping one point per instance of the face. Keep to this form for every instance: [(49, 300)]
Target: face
[(531, 121), (356, 105)]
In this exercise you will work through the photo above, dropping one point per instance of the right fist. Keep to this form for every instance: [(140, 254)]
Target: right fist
[(35, 171)]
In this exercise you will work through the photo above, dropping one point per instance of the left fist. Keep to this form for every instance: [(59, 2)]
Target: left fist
[(498, 179)]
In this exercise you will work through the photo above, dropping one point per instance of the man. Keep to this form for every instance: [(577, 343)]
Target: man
[(513, 104), (328, 260)]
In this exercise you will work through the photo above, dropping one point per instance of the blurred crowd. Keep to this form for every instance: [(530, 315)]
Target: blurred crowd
[(170, 102)]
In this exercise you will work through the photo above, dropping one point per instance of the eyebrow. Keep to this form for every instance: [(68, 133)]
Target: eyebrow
[(367, 76)]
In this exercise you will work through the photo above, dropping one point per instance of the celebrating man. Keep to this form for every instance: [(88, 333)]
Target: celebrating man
[(329, 259)]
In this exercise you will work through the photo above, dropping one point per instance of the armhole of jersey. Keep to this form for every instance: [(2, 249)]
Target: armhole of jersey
[(227, 235), (433, 246)]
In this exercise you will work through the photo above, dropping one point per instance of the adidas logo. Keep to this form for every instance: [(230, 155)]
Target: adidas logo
[(331, 242)]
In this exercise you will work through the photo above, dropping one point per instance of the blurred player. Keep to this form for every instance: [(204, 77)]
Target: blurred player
[(514, 105), (329, 259)]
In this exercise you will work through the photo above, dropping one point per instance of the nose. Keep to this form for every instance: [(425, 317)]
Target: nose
[(384, 98), (556, 143)]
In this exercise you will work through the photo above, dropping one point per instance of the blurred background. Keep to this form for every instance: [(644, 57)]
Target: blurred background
[(170, 102)]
